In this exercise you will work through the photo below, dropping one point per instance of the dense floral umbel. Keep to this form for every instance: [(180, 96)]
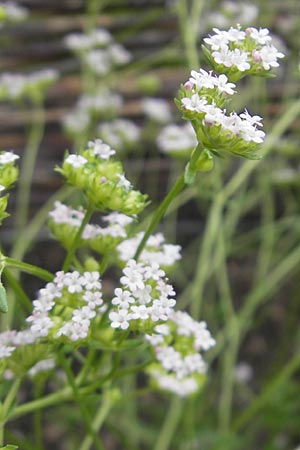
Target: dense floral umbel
[(201, 101), (144, 300), (237, 53), (65, 221), (102, 179), (63, 311), (180, 367)]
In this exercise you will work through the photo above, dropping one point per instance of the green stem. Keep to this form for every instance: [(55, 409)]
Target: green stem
[(168, 430), (108, 401), (26, 174), (63, 395), (77, 237), (84, 412), (188, 23), (28, 268), (5, 407), (19, 293), (159, 213)]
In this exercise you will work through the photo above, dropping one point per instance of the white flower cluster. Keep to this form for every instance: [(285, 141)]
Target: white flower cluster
[(16, 85), (68, 304), (98, 148), (99, 238), (116, 227), (13, 12), (64, 307), (102, 61), (178, 369), (156, 250), (98, 51), (177, 139), (200, 103), (88, 107), (144, 299), (41, 366), (79, 42), (63, 214), (119, 133), (243, 50), (156, 109), (232, 12), (8, 157)]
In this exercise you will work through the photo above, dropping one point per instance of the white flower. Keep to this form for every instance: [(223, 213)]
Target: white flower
[(8, 157), (223, 86), (41, 366), (120, 319), (202, 79), (217, 40), (223, 55), (98, 61), (6, 351), (269, 55), (76, 161), (40, 325), (240, 60), (195, 103), (133, 278), (91, 280), (122, 298), (261, 36), (175, 138), (139, 312), (2, 188), (119, 54), (235, 35), (101, 149), (123, 182), (93, 299), (157, 109)]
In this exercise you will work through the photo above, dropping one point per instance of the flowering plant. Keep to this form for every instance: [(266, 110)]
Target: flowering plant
[(111, 310)]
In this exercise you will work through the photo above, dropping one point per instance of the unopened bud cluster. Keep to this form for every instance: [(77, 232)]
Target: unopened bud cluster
[(102, 179)]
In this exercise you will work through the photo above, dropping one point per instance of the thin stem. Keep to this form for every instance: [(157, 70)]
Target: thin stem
[(168, 430), (5, 407), (77, 237), (84, 412), (28, 268), (34, 139), (105, 407), (44, 402), (160, 212)]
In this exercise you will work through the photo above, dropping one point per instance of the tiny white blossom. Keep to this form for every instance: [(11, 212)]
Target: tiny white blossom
[(8, 157), (120, 319), (76, 161), (123, 182), (104, 151)]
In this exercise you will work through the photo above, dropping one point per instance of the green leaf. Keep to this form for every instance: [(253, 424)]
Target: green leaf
[(9, 447), (189, 174)]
